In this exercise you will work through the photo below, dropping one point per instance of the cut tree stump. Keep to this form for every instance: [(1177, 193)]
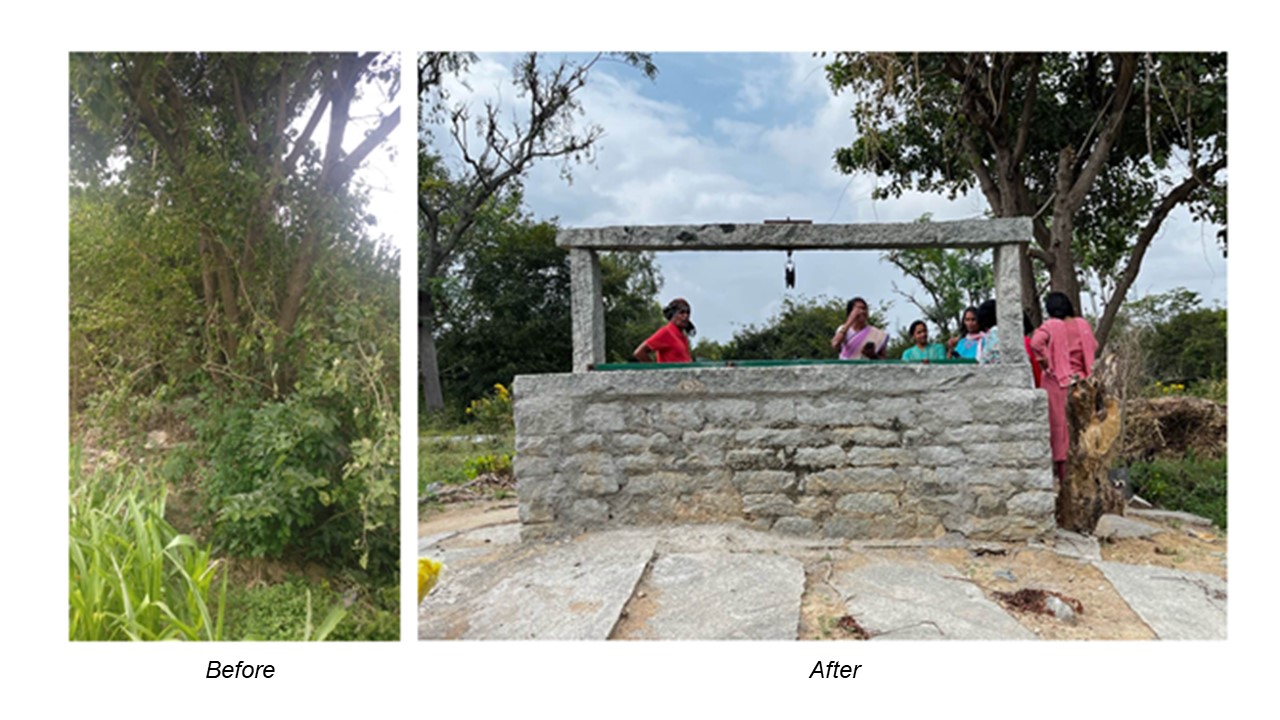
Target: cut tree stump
[(1095, 425)]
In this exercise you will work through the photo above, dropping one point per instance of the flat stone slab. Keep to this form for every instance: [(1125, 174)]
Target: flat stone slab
[(1116, 527), (921, 601), (565, 591), (1176, 604), (1185, 517), (1074, 545), (723, 596)]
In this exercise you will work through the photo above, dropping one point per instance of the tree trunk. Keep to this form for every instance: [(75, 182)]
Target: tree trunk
[(1094, 421), (428, 364)]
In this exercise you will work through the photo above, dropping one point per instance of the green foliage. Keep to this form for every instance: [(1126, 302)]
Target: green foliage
[(1145, 132), (953, 280), (801, 329), (316, 470), (496, 464), (1192, 485), (132, 575), (284, 612), (1189, 346), (493, 413), (505, 311), (1181, 342), (448, 460)]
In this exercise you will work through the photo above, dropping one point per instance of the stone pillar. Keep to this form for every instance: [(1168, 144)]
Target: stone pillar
[(587, 309), (1008, 282)]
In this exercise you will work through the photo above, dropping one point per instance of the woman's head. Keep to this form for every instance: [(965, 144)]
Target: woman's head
[(987, 315), (970, 319), (919, 333), (679, 312), (1058, 305)]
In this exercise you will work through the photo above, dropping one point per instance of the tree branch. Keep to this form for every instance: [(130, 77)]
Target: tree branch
[(1199, 177)]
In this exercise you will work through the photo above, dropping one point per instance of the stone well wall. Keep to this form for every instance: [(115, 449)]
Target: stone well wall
[(860, 451)]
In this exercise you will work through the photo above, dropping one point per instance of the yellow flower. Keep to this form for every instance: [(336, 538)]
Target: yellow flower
[(428, 573)]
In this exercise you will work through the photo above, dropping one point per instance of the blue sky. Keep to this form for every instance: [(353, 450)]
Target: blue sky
[(741, 137)]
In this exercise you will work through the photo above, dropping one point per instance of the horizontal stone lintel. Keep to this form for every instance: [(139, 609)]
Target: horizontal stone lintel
[(798, 236)]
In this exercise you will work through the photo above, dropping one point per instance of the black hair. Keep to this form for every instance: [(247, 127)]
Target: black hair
[(676, 306), (911, 331), (986, 315), (848, 308), (1027, 327), (1059, 306), (970, 309)]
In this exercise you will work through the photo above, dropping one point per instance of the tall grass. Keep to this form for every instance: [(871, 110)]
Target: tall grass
[(132, 575)]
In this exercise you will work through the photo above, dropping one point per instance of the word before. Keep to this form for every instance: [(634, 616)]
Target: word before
[(239, 670), (834, 669)]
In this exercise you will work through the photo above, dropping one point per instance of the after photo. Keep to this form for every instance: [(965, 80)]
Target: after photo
[(822, 346)]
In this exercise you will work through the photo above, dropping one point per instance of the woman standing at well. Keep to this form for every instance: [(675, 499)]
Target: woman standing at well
[(1064, 346)]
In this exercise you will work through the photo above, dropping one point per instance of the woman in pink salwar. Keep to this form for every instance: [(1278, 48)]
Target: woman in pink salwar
[(1064, 346)]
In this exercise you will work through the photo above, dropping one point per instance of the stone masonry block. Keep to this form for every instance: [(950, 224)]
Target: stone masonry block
[(710, 437), (777, 504), (586, 442), (773, 437), (1033, 504), (866, 435), (544, 416), (604, 418), (729, 412), (594, 484), (764, 481), (778, 413), (821, 457), (867, 503), (756, 459), (847, 480)]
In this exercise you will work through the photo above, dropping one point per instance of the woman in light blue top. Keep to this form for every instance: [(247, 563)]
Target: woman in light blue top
[(966, 345), (923, 350)]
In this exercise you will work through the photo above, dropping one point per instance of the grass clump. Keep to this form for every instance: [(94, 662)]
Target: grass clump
[(1191, 484), (132, 575)]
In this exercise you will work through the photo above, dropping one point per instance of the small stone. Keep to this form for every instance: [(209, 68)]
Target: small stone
[(1006, 575), (1060, 610)]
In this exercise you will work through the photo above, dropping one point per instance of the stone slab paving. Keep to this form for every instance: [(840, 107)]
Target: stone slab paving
[(1176, 604), (1116, 527), (564, 591), (921, 601), (1074, 545), (723, 596)]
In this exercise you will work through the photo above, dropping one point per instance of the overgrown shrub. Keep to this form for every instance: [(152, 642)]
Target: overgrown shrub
[(316, 470), (1193, 485)]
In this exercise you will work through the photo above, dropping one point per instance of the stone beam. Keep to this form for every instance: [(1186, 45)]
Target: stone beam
[(795, 236), (587, 309)]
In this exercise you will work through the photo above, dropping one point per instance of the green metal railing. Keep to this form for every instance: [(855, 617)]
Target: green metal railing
[(767, 363)]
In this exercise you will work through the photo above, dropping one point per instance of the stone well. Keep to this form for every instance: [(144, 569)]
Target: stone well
[(859, 450)]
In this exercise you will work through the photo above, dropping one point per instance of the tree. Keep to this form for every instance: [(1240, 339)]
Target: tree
[(451, 198), (221, 248), (507, 309), (225, 145), (1096, 148)]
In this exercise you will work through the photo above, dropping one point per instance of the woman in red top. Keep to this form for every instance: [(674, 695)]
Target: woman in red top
[(671, 343)]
